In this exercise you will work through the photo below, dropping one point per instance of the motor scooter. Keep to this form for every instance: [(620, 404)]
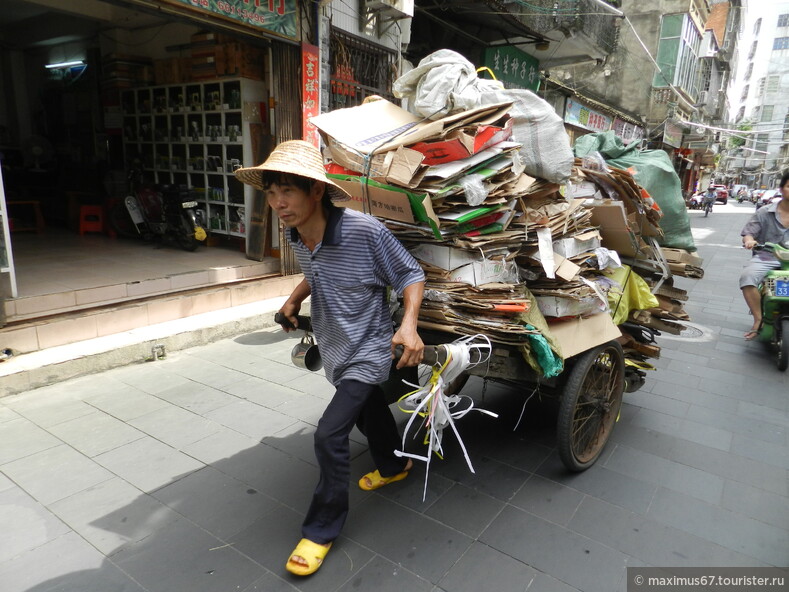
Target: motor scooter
[(165, 211), (775, 305)]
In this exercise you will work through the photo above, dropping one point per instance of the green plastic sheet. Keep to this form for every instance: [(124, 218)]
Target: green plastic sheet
[(652, 170)]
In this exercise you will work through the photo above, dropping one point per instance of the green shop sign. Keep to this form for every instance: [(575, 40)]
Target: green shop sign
[(516, 68), (275, 16)]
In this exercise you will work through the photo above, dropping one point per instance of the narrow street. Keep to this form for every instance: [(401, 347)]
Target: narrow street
[(193, 473)]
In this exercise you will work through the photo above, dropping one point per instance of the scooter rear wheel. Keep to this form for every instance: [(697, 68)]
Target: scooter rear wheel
[(185, 235), (782, 343), (121, 221)]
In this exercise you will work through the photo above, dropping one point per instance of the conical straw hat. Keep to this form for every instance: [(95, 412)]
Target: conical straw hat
[(296, 157)]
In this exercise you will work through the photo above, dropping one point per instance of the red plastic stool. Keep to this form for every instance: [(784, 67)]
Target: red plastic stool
[(91, 219)]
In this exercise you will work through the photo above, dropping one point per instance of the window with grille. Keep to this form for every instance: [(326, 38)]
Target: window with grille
[(749, 71), (761, 142), (781, 43), (773, 83), (783, 20), (359, 69), (767, 112), (740, 114), (760, 86), (745, 92), (756, 26), (677, 54), (786, 127)]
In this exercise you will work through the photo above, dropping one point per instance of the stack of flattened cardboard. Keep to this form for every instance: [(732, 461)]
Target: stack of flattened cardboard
[(493, 241)]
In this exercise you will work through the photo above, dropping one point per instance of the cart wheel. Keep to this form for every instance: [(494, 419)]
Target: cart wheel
[(589, 405)]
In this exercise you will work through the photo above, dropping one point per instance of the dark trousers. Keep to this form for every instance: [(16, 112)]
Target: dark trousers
[(363, 405)]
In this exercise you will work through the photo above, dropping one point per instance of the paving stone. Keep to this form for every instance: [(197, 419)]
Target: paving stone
[(452, 509), (27, 524), (250, 419), (576, 560), (737, 424), (96, 433), (484, 568), (185, 557), (649, 539), (656, 402), (47, 411), (213, 500), (199, 398), (20, 438), (66, 563), (148, 464), (683, 428), (547, 499), (611, 486), (175, 426), (126, 403), (219, 445), (756, 503), (655, 469), (279, 475), (420, 544), (545, 583), (113, 513), (744, 535), (269, 582), (382, 575), (55, 473)]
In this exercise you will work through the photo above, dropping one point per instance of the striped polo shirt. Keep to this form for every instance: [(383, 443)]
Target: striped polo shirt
[(348, 273)]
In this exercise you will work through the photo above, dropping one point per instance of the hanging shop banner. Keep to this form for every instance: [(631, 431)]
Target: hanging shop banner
[(516, 68), (274, 16), (672, 134), (629, 132), (310, 91), (580, 115)]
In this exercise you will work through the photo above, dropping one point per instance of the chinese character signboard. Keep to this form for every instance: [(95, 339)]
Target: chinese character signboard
[(517, 69), (672, 134), (310, 91), (629, 132), (274, 16), (580, 115)]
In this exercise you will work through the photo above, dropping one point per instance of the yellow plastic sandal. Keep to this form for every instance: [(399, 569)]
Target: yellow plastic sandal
[(312, 553), (376, 481)]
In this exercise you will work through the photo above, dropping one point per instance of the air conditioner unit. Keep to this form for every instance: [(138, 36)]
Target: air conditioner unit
[(703, 97), (392, 8)]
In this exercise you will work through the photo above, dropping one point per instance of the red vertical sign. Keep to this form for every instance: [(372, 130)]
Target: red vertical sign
[(311, 91)]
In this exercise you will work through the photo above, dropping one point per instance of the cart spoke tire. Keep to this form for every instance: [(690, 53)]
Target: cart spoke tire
[(589, 405), (782, 344)]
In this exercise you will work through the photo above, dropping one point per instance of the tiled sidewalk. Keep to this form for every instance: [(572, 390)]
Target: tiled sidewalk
[(193, 473)]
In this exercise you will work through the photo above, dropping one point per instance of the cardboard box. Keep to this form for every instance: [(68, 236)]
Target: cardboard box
[(401, 166), (575, 245), (615, 228), (381, 125), (464, 142), (681, 256), (386, 201), (447, 258), (577, 335), (561, 306), (484, 272)]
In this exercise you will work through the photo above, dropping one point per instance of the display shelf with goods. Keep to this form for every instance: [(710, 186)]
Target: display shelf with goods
[(196, 134)]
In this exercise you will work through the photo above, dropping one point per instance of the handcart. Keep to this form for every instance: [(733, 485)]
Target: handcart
[(589, 391)]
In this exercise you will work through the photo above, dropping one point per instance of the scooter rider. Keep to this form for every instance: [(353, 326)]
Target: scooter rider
[(769, 224), (709, 196)]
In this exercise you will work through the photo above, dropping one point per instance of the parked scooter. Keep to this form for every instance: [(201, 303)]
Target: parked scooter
[(166, 211), (775, 305)]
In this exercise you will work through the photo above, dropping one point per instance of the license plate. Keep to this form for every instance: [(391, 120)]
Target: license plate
[(782, 288), (189, 204)]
